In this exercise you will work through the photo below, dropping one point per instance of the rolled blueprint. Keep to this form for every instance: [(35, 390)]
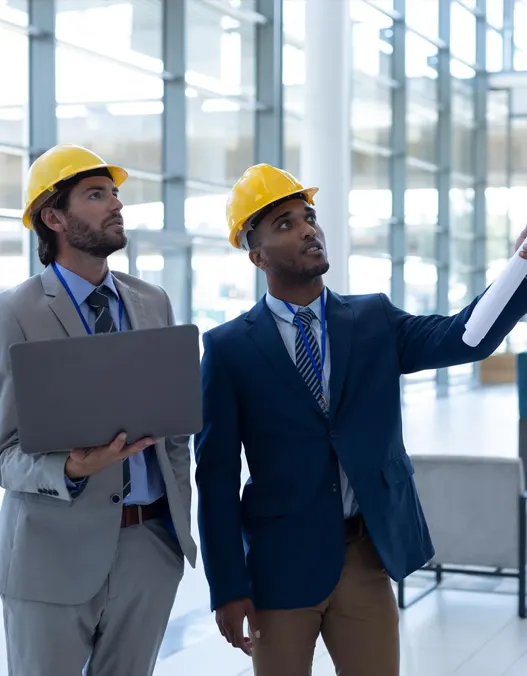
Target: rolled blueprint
[(490, 306)]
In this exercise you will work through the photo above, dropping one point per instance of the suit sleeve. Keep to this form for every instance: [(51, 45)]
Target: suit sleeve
[(18, 471), (434, 341), (218, 472), (177, 447)]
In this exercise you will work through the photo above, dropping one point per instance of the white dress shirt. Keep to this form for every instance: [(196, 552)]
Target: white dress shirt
[(288, 330)]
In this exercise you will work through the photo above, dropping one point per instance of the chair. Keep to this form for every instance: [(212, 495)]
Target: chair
[(476, 511)]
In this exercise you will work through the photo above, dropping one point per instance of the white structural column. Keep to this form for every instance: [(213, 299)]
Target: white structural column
[(326, 147)]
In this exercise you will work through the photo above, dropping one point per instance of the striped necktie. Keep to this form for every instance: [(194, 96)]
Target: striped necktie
[(99, 301), (304, 364)]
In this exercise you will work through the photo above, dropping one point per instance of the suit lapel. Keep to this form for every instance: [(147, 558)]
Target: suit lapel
[(341, 333), (263, 331), (61, 304), (133, 305)]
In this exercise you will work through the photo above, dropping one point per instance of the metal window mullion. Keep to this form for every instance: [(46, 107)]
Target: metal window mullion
[(269, 122), (444, 176), (174, 149), (42, 121), (398, 169), (479, 259), (508, 35)]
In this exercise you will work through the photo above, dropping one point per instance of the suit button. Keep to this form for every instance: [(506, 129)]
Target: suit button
[(45, 491), (334, 488), (54, 492), (40, 490), (116, 499), (333, 434)]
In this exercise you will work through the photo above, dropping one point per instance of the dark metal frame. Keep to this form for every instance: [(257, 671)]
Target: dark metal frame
[(439, 569)]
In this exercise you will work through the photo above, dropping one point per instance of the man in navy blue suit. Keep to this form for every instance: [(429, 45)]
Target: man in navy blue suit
[(308, 383)]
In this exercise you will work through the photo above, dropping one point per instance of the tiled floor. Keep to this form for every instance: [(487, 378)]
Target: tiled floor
[(450, 632)]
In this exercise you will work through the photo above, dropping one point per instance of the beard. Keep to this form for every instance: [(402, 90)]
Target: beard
[(97, 243)]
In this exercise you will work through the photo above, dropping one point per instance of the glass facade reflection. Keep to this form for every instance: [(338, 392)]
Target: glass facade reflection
[(185, 95)]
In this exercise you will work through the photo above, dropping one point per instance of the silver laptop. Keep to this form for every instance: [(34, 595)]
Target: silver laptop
[(81, 392)]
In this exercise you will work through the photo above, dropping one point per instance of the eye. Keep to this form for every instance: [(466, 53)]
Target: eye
[(284, 225), (96, 195), (311, 218)]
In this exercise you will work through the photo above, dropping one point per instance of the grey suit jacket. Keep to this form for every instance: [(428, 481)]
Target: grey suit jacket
[(53, 548)]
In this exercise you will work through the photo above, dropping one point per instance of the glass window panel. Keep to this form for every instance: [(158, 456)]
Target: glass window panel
[(370, 274), (370, 198), (462, 252), (143, 207), (371, 110), (423, 15), (463, 33), (294, 19), (420, 278), (372, 34), (421, 68), (495, 13), (14, 265), (494, 51), (461, 210), (11, 167), (292, 143), (227, 65), (420, 198), (166, 266), (519, 144), (220, 137), (497, 137), (459, 289), (519, 59), (520, 26), (13, 84), (205, 212), (223, 285), (421, 131), (421, 241), (129, 31), (293, 79), (463, 133), (117, 115), (369, 238)]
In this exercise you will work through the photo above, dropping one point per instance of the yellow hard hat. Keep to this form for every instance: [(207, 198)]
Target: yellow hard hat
[(260, 186), (58, 164)]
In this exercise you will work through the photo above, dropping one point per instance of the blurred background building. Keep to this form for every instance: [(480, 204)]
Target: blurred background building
[(188, 93)]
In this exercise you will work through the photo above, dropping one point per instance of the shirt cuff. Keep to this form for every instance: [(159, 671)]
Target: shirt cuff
[(74, 486)]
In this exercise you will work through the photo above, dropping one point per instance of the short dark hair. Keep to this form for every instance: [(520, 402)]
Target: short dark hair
[(252, 240), (47, 238)]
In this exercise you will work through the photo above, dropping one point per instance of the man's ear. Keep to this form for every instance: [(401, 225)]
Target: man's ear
[(257, 259), (53, 219)]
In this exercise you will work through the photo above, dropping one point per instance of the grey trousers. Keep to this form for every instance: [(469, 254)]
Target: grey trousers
[(118, 632)]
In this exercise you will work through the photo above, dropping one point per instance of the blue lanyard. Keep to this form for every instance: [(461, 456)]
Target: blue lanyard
[(76, 305), (318, 372)]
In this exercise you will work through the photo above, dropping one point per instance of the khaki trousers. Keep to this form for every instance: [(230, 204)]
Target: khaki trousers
[(359, 624)]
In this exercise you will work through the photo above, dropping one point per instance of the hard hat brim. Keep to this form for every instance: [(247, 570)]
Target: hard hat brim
[(234, 235), (119, 176)]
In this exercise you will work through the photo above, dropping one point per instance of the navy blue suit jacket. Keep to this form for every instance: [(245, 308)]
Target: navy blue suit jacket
[(282, 543)]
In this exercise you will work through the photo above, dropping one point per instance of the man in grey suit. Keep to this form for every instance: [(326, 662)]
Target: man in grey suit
[(92, 541)]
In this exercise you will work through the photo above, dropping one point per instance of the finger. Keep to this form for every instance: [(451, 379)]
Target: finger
[(240, 641), (222, 630), (118, 443), (228, 632), (252, 620), (137, 447)]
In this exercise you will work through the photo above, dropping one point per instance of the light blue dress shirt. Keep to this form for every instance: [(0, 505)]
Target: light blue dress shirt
[(287, 328), (147, 483)]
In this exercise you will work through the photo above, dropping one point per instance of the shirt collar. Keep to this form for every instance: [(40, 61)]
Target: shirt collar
[(280, 310), (80, 287)]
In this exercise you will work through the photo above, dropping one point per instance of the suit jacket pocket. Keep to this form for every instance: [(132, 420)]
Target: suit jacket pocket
[(397, 470)]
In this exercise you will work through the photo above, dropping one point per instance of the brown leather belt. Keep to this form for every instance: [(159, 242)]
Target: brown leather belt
[(355, 526), (134, 515)]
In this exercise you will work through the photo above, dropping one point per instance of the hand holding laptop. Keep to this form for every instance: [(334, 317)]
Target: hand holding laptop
[(84, 462)]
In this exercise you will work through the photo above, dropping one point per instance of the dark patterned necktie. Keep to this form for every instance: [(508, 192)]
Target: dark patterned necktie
[(303, 361), (99, 301)]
